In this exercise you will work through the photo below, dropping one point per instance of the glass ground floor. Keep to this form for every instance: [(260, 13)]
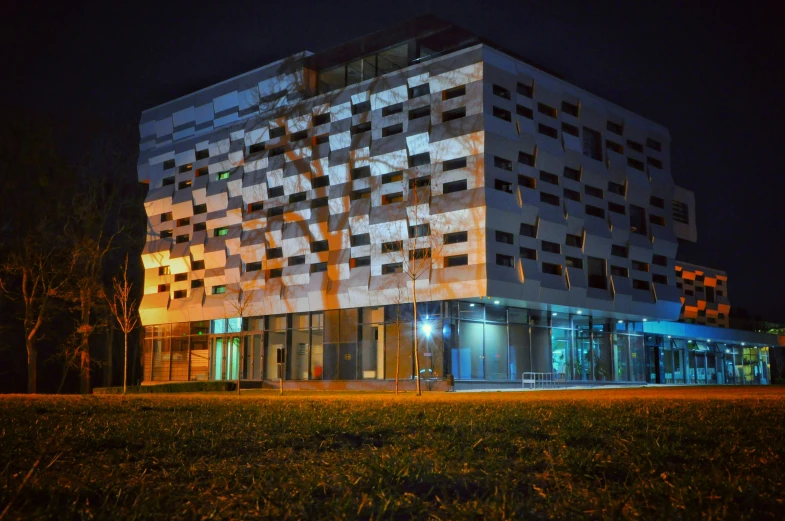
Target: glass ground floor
[(468, 340)]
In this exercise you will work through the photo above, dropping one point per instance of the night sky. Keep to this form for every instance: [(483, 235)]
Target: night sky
[(710, 75)]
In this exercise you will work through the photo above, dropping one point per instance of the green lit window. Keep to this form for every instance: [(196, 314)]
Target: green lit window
[(223, 175), (219, 290), (220, 231)]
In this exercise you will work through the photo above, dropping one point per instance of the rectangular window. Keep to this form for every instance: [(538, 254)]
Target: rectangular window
[(321, 140), (389, 110), (392, 177), (659, 279), (202, 171), (597, 273), (319, 267), (454, 164), (638, 220), (528, 253), (634, 145), (277, 151), (592, 144), (549, 178), (182, 238), (455, 237), (219, 290), (321, 119), (634, 163), (255, 207), (656, 219), (611, 145), (361, 172), (504, 237), (456, 260), (504, 164), (618, 250), (656, 163), (503, 186), (419, 90), (359, 129), (616, 188), (575, 241), (166, 234), (168, 164), (392, 246), (549, 198), (659, 260), (420, 182), (572, 173), (574, 262), (298, 197), (363, 239), (420, 230), (393, 267), (298, 136), (620, 271), (501, 92), (392, 130), (505, 260), (274, 253), (420, 112), (455, 186), (552, 269), (167, 181), (275, 273), (419, 159), (640, 266), (359, 108), (297, 260), (658, 202), (526, 112), (420, 253), (525, 90), (542, 108), (275, 191), (397, 197), (502, 114), (569, 108), (615, 128), (545, 130), (595, 211), (253, 266), (654, 144), (527, 182), (319, 202), (220, 232), (197, 265), (163, 270), (454, 92), (180, 293), (680, 212), (318, 246), (570, 129), (550, 247), (200, 227), (528, 230), (617, 208), (320, 182), (184, 184), (572, 195), (197, 283), (166, 216), (640, 284), (277, 132), (453, 114)]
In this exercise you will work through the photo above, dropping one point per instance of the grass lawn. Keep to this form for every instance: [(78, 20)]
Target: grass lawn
[(664, 453)]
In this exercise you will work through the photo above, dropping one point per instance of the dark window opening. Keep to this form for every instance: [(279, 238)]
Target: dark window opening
[(502, 114), (569, 108), (501, 92), (525, 90), (526, 112), (454, 92), (542, 108), (359, 129), (321, 119), (419, 90), (453, 114), (454, 186), (615, 128), (454, 164), (320, 182), (547, 177), (616, 188), (594, 211), (392, 177), (592, 144), (297, 260), (550, 247), (253, 266), (363, 239), (549, 198), (277, 132), (575, 241), (319, 246), (389, 110), (275, 191), (504, 186), (505, 260), (547, 131), (504, 237), (455, 237), (420, 112), (392, 130), (419, 159), (456, 260), (527, 182), (528, 230), (528, 253), (274, 253), (552, 269), (570, 129), (572, 173)]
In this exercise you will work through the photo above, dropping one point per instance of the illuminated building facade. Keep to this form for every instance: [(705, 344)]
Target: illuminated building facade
[(289, 208)]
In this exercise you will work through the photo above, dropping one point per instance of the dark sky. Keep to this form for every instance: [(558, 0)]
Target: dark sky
[(709, 74)]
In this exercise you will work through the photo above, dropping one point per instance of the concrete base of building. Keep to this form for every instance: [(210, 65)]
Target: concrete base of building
[(346, 385), (485, 385)]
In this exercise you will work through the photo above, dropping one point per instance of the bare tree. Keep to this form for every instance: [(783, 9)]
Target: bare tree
[(241, 306), (41, 273), (124, 309)]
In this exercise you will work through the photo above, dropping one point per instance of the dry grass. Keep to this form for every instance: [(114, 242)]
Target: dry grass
[(674, 453)]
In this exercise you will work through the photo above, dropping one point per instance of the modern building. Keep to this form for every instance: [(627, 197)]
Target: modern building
[(291, 209), (704, 295)]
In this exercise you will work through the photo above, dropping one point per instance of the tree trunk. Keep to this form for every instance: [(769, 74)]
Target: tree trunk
[(134, 356), (125, 363), (398, 352), (62, 378), (109, 360), (416, 349), (32, 365), (84, 368)]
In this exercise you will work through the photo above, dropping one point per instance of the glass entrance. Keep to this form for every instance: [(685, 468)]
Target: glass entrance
[(225, 357)]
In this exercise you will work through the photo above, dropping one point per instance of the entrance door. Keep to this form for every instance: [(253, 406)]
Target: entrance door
[(225, 358), (653, 364), (347, 361)]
